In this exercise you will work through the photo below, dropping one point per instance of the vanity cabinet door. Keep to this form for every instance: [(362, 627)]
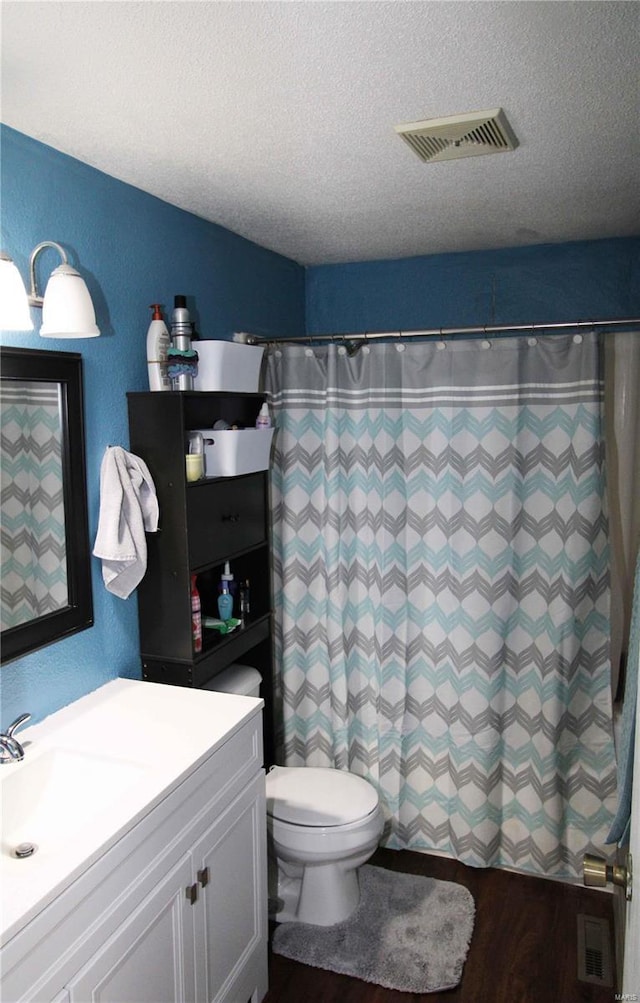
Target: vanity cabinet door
[(150, 958), (231, 919)]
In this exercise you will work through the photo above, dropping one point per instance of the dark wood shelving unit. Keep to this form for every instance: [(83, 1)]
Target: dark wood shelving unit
[(201, 526)]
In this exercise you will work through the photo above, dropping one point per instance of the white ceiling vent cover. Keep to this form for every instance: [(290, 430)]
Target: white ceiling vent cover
[(469, 135)]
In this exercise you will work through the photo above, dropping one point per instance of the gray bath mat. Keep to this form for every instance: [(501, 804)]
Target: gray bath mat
[(408, 933)]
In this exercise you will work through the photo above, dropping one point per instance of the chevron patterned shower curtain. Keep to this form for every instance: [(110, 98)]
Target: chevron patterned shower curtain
[(442, 589)]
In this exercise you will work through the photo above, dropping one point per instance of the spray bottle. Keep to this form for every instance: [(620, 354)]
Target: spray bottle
[(183, 361), (157, 348)]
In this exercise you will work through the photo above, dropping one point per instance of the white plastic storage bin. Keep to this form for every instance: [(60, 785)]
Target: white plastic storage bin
[(236, 451), (241, 679), (223, 365)]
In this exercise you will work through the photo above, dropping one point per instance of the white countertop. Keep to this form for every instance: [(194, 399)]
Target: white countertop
[(138, 740)]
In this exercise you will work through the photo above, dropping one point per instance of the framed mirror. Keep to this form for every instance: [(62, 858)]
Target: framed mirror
[(46, 571)]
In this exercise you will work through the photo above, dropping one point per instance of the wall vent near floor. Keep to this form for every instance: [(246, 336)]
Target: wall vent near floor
[(594, 951)]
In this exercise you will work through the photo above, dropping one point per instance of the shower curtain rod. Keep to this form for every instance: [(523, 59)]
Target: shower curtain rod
[(245, 338)]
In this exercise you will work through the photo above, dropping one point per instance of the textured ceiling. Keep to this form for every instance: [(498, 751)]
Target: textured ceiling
[(276, 120)]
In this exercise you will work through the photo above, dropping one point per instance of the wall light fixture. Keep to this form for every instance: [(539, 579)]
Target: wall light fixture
[(67, 308), (14, 305)]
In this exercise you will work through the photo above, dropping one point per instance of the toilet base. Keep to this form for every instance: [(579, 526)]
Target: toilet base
[(321, 894)]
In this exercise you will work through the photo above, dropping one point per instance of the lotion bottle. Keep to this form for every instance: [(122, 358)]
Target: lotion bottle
[(157, 347)]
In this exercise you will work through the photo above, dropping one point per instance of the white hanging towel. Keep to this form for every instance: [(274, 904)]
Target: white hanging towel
[(128, 509)]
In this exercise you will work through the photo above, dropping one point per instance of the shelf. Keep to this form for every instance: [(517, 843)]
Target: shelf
[(203, 524), (213, 640), (208, 663)]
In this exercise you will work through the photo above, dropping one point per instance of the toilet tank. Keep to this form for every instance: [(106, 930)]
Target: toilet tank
[(241, 679)]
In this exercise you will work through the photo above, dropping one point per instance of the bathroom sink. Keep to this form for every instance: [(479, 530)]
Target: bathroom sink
[(51, 799)]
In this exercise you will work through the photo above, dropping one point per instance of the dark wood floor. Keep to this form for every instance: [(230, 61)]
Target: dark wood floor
[(523, 950)]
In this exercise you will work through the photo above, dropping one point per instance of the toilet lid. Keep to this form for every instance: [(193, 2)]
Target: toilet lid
[(309, 795)]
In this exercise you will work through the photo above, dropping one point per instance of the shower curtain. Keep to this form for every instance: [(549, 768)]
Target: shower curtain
[(442, 591), (622, 434)]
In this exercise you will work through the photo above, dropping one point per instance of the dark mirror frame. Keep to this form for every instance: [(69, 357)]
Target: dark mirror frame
[(65, 370)]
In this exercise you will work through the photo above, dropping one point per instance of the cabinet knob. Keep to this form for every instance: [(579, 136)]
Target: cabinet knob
[(192, 893), (232, 517), (203, 877)]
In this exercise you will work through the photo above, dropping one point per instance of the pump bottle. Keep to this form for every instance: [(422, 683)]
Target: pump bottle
[(157, 347), (225, 597), (225, 603)]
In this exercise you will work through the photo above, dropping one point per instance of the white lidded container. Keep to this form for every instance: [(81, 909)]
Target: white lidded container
[(241, 679), (230, 452), (225, 365)]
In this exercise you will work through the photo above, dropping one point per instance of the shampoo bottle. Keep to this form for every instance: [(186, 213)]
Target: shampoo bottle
[(157, 347)]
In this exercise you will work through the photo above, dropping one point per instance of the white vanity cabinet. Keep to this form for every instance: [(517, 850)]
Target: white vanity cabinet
[(175, 910)]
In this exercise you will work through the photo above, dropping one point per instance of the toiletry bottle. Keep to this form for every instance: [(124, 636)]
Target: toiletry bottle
[(181, 338), (225, 602), (241, 600), (157, 347), (196, 616), (264, 418), (232, 588), (245, 601)]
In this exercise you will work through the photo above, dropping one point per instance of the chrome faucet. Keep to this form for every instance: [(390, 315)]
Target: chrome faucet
[(10, 749)]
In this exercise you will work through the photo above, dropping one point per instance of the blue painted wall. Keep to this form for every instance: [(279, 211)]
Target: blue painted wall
[(133, 250), (586, 280)]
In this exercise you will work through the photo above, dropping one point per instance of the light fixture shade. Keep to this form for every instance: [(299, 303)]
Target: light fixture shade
[(67, 309), (14, 305)]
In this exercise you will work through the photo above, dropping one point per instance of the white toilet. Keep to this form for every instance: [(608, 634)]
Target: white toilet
[(322, 825)]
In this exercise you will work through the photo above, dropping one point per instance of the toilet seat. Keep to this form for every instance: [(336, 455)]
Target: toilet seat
[(318, 796)]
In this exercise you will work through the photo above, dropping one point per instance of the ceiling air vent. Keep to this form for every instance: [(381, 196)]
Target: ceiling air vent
[(469, 135)]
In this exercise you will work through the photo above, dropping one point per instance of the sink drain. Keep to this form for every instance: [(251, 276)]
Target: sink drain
[(24, 850)]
